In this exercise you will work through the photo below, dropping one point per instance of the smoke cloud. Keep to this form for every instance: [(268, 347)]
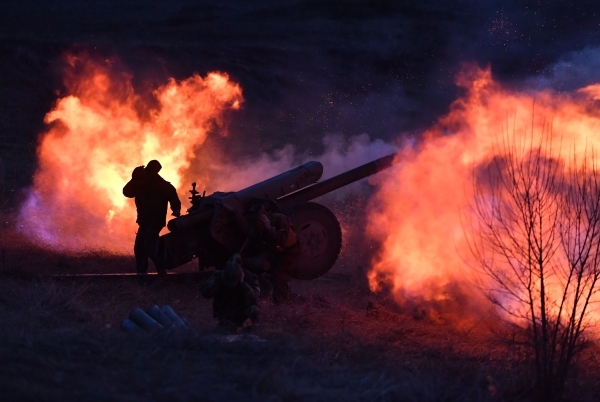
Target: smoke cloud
[(572, 71)]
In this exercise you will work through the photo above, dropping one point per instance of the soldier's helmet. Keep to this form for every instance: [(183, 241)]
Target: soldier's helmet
[(233, 274), (138, 173), (271, 206), (153, 167)]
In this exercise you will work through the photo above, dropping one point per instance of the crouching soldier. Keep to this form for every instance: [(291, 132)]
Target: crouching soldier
[(235, 294)]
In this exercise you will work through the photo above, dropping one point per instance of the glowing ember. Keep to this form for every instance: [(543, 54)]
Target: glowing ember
[(97, 137), (422, 208)]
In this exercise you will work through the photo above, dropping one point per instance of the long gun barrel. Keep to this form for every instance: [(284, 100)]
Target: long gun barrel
[(212, 229), (289, 188), (273, 188), (318, 189)]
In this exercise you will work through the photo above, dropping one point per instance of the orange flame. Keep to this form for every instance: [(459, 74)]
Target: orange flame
[(97, 136), (421, 206)]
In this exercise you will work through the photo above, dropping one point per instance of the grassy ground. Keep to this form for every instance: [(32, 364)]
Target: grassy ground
[(60, 340)]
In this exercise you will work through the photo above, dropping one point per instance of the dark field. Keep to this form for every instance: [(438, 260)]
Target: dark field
[(60, 340)]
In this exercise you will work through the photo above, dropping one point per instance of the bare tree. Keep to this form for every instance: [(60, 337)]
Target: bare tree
[(537, 236)]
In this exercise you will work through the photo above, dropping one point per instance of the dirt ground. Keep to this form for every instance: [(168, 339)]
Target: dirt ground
[(60, 339)]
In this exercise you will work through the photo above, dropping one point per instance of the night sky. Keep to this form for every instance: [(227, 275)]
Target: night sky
[(307, 68)]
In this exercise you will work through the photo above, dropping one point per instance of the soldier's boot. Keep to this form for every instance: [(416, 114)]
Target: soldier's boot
[(161, 271), (249, 323), (141, 264), (246, 325)]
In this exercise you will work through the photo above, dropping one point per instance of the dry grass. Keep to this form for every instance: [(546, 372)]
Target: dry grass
[(60, 340)]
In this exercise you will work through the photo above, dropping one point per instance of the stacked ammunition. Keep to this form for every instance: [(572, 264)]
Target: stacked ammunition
[(155, 318)]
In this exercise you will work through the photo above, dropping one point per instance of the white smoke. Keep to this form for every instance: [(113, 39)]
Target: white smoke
[(572, 71), (340, 155)]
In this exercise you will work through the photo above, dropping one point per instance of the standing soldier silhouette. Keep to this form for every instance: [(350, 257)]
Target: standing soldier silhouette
[(151, 193), (279, 250)]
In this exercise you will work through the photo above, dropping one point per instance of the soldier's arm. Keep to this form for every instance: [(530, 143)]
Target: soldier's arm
[(212, 285), (279, 229), (250, 292), (173, 198), (137, 177), (252, 281), (130, 189)]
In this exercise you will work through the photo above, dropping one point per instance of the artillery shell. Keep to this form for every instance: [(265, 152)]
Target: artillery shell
[(142, 319), (129, 326), (173, 317), (154, 312)]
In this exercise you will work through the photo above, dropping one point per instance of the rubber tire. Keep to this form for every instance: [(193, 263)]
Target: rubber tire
[(315, 264)]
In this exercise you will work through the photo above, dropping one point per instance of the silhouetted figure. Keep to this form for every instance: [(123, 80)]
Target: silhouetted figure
[(278, 247), (152, 193), (235, 292)]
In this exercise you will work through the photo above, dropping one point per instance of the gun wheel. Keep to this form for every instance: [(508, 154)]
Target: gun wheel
[(320, 238)]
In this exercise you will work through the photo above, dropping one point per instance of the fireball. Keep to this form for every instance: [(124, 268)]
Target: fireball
[(97, 135), (423, 207)]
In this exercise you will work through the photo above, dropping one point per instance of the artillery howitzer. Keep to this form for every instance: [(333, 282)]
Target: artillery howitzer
[(211, 233)]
